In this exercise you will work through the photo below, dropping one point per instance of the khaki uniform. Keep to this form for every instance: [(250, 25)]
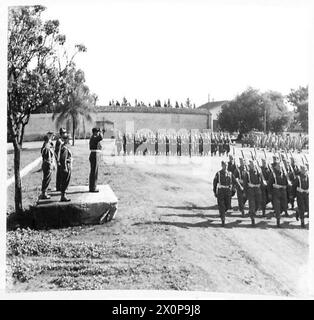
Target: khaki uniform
[(47, 166), (252, 186), (65, 167), (222, 189), (301, 191), (94, 158), (278, 186)]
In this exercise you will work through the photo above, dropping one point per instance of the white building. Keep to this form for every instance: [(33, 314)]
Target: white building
[(214, 108)]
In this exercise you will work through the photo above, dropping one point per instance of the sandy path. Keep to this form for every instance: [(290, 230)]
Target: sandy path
[(237, 258)]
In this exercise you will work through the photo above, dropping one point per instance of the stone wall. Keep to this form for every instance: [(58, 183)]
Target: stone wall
[(124, 119)]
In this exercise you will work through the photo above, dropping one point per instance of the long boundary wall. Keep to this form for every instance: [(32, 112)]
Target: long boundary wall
[(125, 119)]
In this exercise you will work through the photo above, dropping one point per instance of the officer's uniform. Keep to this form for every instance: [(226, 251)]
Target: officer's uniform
[(278, 185), (47, 166), (94, 157), (252, 185), (222, 190), (65, 169), (58, 145), (301, 191)]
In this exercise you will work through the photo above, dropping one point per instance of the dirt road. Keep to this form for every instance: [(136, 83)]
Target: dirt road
[(167, 235), (237, 258)]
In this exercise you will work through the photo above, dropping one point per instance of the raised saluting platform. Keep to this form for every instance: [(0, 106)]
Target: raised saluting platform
[(84, 208)]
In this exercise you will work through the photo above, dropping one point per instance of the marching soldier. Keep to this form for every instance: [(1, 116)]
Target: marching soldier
[(252, 181), (264, 189), (59, 143), (95, 149), (65, 167), (278, 186), (239, 175), (222, 190), (301, 190), (47, 165), (231, 164)]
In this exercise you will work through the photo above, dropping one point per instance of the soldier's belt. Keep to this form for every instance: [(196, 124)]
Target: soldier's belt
[(96, 150), (302, 190), (254, 185), (222, 186), (278, 186)]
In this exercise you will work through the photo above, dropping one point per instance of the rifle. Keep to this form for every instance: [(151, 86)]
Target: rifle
[(290, 166), (306, 159), (284, 169), (257, 166), (244, 160)]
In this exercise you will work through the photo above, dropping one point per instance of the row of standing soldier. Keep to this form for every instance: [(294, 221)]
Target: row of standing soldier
[(272, 141), (172, 144), (278, 183), (60, 157)]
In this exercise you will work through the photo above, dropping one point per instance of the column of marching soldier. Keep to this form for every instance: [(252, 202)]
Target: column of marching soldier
[(280, 183), (60, 157), (186, 144)]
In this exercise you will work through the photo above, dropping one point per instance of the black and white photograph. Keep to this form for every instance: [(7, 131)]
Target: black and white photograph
[(157, 148)]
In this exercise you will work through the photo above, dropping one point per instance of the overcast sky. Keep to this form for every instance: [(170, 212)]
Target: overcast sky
[(177, 49)]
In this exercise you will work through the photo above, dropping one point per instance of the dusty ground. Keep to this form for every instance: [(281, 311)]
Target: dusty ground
[(166, 235)]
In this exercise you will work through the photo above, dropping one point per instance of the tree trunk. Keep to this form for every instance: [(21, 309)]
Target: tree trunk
[(73, 127), (17, 176)]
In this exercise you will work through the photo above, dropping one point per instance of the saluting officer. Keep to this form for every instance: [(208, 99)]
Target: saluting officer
[(278, 186), (47, 165), (94, 157), (252, 184), (222, 190), (59, 143), (65, 167), (301, 190)]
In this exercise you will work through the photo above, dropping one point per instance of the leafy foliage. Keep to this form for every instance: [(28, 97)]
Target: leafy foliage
[(299, 99), (247, 112), (78, 103), (36, 74)]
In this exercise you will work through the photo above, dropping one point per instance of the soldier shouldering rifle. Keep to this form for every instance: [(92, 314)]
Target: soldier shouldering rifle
[(261, 183)]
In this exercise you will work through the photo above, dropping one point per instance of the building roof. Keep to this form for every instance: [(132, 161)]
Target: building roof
[(212, 105)]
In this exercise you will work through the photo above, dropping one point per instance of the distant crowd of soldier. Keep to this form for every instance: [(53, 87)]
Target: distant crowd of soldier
[(59, 156), (170, 144), (272, 141), (280, 183)]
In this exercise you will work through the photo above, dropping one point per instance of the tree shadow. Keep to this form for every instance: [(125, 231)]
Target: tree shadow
[(190, 207)]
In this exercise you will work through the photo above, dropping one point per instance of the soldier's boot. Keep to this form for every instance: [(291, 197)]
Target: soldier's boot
[(253, 221), (223, 222), (278, 223), (64, 198), (263, 214), (242, 213), (286, 214), (302, 223)]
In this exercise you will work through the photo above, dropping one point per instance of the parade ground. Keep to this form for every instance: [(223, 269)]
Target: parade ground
[(166, 235)]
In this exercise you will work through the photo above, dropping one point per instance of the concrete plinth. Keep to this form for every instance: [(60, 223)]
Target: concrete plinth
[(84, 208)]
